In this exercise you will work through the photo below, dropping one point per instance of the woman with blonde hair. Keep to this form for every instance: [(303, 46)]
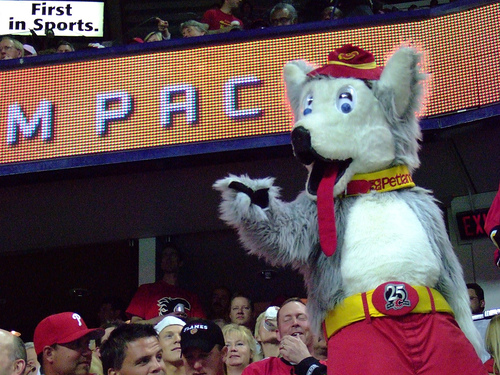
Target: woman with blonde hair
[(241, 348), (493, 346)]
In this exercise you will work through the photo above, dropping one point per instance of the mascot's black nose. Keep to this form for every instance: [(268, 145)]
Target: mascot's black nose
[(301, 142)]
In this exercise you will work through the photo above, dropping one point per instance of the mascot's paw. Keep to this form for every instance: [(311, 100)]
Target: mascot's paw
[(244, 198), (259, 197)]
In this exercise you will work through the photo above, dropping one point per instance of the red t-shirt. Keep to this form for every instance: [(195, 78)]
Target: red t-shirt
[(217, 19), (277, 366), (268, 366), (160, 298)]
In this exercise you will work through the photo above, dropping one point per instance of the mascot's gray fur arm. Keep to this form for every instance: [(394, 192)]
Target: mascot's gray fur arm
[(286, 233), (281, 233)]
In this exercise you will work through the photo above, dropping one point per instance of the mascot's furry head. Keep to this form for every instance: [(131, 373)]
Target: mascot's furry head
[(378, 109), (353, 117)]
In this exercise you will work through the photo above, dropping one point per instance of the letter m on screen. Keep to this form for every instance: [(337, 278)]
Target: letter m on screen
[(41, 122)]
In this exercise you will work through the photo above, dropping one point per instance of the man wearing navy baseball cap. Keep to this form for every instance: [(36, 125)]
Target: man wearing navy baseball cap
[(62, 344), (203, 348)]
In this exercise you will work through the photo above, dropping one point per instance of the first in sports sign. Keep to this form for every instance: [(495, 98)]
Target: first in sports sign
[(63, 18)]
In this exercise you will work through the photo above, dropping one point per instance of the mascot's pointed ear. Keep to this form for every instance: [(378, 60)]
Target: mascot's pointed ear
[(398, 89), (295, 74)]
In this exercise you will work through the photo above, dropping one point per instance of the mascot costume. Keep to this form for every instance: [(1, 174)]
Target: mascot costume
[(381, 275)]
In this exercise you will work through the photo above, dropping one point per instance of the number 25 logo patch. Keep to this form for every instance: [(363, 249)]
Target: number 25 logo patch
[(395, 298)]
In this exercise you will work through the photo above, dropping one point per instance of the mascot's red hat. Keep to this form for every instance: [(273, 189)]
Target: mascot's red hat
[(349, 62)]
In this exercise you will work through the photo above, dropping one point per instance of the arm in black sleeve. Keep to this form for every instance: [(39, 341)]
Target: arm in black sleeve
[(310, 366)]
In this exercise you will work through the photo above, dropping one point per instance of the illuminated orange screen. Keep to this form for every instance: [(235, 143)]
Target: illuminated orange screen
[(224, 91)]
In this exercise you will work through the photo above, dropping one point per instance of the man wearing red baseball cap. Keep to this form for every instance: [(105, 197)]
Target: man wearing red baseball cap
[(62, 344)]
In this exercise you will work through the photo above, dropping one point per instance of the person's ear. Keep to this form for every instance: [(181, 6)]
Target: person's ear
[(482, 303), (18, 366), (224, 353), (278, 336), (112, 371), (48, 353)]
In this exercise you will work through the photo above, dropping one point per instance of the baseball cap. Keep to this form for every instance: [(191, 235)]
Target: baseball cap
[(61, 329), (349, 61), (270, 318), (168, 321), (29, 50), (201, 333)]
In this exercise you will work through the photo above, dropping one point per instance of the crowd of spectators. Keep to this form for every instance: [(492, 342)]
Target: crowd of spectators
[(231, 15), (63, 344), (279, 341), (178, 337), (163, 331)]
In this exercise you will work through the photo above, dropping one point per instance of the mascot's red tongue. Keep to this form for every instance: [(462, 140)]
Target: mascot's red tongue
[(326, 212)]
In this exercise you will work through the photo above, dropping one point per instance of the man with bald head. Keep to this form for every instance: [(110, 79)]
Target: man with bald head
[(296, 345), (12, 354)]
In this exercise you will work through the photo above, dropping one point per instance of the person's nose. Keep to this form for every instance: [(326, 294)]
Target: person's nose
[(87, 352), (177, 338), (295, 322), (198, 364), (156, 366)]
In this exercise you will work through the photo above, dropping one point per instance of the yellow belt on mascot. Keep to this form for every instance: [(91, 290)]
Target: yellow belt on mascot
[(361, 306)]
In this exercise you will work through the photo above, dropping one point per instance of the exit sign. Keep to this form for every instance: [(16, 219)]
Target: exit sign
[(471, 224)]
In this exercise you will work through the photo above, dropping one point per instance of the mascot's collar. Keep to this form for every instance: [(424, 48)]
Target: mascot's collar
[(394, 178)]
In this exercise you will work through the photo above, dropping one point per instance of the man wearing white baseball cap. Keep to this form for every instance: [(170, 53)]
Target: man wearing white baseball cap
[(266, 328), (62, 344), (169, 333)]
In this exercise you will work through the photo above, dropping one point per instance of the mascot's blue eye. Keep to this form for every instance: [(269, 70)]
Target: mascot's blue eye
[(346, 99), (308, 101), (346, 108)]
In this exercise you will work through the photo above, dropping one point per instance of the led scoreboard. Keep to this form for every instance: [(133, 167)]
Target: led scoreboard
[(194, 98)]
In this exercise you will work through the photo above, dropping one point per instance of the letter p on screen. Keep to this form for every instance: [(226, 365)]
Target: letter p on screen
[(111, 106)]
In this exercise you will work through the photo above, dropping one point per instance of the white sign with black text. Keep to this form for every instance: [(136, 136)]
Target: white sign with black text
[(64, 18)]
